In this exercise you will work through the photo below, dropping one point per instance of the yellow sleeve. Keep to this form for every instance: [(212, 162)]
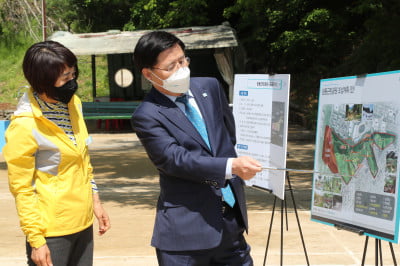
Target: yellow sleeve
[(19, 153)]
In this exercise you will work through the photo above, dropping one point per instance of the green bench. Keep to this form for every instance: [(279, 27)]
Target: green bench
[(108, 110)]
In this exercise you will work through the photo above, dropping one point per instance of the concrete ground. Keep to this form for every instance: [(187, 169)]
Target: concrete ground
[(129, 188)]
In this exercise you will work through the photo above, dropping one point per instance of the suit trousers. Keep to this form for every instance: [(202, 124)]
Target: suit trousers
[(232, 251), (70, 250)]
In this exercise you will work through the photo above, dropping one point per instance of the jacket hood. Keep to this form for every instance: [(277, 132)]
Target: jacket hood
[(24, 107)]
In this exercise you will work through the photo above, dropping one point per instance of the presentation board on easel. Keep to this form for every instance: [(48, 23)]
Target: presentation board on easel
[(356, 155), (260, 108)]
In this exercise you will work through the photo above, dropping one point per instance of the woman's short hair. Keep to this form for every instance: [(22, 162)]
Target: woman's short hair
[(43, 64), (151, 45)]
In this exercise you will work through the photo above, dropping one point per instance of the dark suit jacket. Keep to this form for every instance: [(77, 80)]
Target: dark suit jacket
[(189, 215)]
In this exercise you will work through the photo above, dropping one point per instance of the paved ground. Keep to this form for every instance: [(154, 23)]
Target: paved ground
[(129, 189)]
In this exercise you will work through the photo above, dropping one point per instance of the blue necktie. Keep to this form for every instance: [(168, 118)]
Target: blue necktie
[(194, 117), (228, 195)]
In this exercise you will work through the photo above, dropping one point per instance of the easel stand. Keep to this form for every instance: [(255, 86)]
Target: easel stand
[(378, 252), (284, 207)]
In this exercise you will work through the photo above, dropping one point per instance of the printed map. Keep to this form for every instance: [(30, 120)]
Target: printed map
[(356, 178), (356, 136), (358, 157)]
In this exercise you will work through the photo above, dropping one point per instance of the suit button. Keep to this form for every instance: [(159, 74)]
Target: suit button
[(225, 208)]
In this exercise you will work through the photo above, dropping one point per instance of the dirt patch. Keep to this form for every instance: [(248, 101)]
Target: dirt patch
[(7, 106), (6, 110)]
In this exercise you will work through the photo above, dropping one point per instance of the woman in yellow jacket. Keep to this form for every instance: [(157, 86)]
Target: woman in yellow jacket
[(49, 169)]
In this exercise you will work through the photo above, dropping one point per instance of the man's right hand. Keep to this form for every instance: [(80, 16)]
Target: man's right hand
[(245, 167), (41, 256)]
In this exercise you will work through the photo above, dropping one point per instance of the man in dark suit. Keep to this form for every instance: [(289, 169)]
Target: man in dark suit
[(188, 131)]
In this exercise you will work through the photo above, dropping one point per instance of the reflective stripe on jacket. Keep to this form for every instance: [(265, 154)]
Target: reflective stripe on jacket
[(48, 175)]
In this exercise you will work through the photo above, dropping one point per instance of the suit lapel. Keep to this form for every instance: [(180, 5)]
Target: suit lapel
[(171, 111), (203, 102)]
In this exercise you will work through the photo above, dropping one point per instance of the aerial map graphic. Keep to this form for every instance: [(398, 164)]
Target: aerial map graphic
[(355, 136), (344, 157), (357, 159)]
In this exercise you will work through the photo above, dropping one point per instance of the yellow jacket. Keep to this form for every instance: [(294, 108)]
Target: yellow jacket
[(48, 175)]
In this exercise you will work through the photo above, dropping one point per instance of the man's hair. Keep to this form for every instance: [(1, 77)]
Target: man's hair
[(151, 45), (43, 64)]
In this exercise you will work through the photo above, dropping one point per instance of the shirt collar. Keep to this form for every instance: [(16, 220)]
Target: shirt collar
[(173, 98)]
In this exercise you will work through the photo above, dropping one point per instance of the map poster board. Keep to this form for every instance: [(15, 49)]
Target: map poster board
[(260, 107), (356, 183)]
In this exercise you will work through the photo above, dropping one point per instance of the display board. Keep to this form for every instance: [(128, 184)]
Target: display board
[(260, 107), (356, 154)]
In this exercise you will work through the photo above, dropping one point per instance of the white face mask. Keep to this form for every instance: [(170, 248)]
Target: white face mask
[(178, 82)]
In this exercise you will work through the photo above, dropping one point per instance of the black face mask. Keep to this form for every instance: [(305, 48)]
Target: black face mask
[(66, 91)]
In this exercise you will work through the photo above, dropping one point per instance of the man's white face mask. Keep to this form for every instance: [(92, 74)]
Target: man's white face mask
[(178, 82)]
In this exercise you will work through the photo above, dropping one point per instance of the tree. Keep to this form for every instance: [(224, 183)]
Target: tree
[(377, 50), (13, 12), (25, 17), (157, 14), (70, 15), (64, 13), (307, 38), (96, 15)]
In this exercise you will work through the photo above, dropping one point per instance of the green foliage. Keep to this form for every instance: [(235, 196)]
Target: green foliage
[(15, 38), (157, 14), (85, 78), (11, 77), (89, 15), (308, 39), (12, 81), (100, 15), (65, 13), (312, 40), (378, 50)]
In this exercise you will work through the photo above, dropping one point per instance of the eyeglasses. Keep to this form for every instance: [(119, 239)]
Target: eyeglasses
[(185, 61)]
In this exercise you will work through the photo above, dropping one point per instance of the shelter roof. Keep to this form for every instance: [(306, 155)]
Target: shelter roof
[(117, 42)]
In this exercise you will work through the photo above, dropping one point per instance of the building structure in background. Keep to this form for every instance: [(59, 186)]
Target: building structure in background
[(210, 48)]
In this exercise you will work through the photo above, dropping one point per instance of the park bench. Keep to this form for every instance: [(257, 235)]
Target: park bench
[(109, 111)]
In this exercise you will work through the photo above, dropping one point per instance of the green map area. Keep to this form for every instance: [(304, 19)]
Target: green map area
[(349, 157)]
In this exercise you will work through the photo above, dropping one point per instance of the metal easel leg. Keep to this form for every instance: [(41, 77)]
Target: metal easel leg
[(297, 217), (269, 232), (284, 208), (287, 221), (393, 255), (365, 250), (281, 257), (378, 252)]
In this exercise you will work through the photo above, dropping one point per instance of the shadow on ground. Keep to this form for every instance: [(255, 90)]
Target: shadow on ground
[(3, 166), (126, 176), (301, 156)]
